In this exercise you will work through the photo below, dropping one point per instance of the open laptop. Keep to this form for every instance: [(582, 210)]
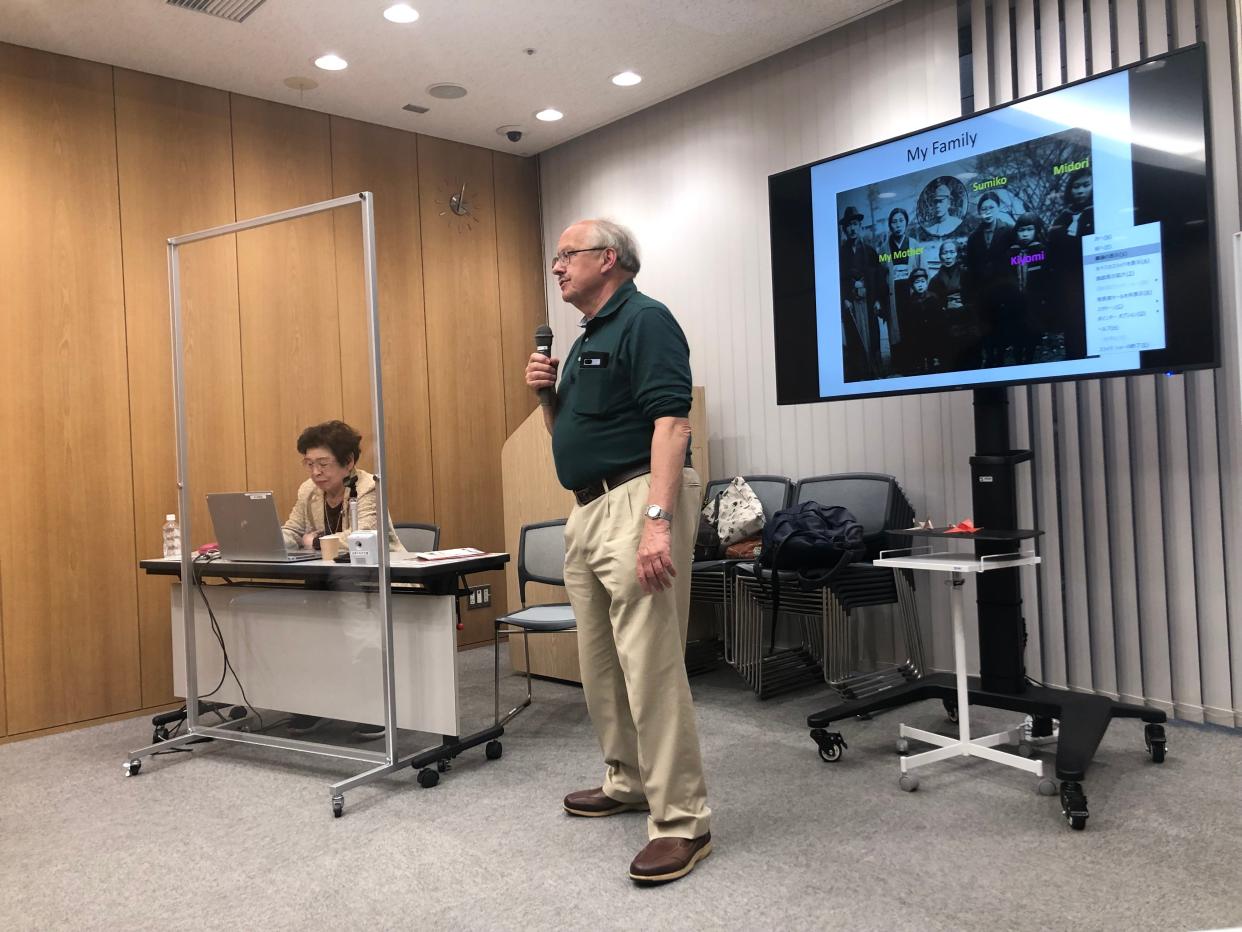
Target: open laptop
[(248, 530)]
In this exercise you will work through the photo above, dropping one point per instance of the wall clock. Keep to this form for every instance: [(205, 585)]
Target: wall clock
[(457, 205)]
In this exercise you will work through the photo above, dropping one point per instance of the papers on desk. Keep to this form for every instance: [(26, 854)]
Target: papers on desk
[(442, 556)]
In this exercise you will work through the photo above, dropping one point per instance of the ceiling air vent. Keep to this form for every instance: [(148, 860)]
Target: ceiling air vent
[(415, 108), (235, 11)]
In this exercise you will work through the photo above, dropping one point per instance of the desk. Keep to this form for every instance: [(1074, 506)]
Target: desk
[(294, 627), (957, 565)]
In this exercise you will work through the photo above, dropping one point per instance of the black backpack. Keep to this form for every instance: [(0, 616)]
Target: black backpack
[(812, 540)]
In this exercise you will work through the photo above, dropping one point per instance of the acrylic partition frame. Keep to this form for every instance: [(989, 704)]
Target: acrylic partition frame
[(384, 762)]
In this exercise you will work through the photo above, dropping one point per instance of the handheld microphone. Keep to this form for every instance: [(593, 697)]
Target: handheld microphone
[(543, 344)]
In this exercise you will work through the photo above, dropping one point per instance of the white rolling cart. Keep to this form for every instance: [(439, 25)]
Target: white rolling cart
[(957, 565)]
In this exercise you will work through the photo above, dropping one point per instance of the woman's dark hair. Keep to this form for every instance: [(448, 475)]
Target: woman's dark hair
[(337, 436)]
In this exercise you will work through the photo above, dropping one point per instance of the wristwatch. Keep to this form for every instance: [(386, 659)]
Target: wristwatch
[(656, 513)]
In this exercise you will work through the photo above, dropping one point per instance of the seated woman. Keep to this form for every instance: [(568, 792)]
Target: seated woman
[(330, 454)]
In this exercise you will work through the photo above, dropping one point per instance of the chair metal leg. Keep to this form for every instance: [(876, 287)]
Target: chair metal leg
[(512, 713)]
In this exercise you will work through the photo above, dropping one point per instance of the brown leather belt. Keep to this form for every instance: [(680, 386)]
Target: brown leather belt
[(588, 493)]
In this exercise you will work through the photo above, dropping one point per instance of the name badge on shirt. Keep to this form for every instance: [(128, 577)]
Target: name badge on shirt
[(593, 361)]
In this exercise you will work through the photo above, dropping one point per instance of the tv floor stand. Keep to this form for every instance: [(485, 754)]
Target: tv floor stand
[(1002, 683)]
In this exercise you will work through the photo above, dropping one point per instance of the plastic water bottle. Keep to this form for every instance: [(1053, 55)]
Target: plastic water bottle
[(172, 536)]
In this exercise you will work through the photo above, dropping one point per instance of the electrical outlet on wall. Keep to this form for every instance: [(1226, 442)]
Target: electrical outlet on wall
[(480, 596)]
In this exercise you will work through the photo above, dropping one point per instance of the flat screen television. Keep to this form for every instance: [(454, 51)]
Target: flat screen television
[(1066, 235)]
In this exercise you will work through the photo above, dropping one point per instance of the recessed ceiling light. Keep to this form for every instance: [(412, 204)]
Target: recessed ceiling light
[(401, 13), (626, 79), (549, 115), (446, 91), (331, 62)]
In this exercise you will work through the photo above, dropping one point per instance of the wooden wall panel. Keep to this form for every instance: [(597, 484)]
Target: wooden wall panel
[(464, 362), (176, 176), (290, 340), (101, 166), (521, 269), (384, 161), (3, 713), (70, 638)]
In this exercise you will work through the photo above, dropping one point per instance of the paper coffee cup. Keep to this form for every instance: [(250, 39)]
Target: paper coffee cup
[(330, 546)]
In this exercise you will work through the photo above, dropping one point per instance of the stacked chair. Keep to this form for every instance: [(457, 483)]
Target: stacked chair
[(881, 507), (711, 581), (826, 620)]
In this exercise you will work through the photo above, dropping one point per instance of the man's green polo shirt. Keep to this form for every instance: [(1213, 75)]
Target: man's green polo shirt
[(630, 366)]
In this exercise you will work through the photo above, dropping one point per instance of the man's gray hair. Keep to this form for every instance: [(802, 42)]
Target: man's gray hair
[(620, 240)]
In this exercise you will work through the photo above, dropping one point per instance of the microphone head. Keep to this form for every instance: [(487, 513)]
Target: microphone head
[(543, 339)]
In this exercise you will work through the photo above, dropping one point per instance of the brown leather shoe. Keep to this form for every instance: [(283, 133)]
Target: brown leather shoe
[(595, 803), (667, 859)]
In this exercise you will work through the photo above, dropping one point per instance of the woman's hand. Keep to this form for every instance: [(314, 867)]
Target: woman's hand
[(308, 540)]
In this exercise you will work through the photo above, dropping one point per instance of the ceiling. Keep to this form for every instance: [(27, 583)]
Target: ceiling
[(480, 44)]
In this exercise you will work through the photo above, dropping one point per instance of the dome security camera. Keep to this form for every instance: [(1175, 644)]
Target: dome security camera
[(514, 135)]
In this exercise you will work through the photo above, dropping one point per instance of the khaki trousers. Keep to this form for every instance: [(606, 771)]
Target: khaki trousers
[(631, 647)]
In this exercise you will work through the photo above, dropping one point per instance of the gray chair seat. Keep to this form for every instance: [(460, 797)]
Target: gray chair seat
[(541, 618)]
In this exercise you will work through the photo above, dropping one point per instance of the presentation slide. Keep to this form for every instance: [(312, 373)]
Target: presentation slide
[(1003, 241)]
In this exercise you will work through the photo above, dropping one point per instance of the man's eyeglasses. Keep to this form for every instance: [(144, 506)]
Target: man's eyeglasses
[(565, 255)]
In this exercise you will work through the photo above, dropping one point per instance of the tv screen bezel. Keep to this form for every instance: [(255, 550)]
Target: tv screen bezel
[(1214, 308)]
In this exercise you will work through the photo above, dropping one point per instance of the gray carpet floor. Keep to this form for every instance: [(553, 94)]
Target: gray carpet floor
[(234, 837)]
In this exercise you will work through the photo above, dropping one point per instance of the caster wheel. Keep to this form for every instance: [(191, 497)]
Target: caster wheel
[(830, 744), (1157, 744), (902, 745), (830, 754), (338, 806), (443, 766), (1025, 750), (493, 750), (950, 710), (908, 782), (1047, 787), (427, 778), (1074, 805), (132, 767)]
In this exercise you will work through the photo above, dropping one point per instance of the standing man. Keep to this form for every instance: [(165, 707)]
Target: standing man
[(620, 435), (988, 279), (864, 299)]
